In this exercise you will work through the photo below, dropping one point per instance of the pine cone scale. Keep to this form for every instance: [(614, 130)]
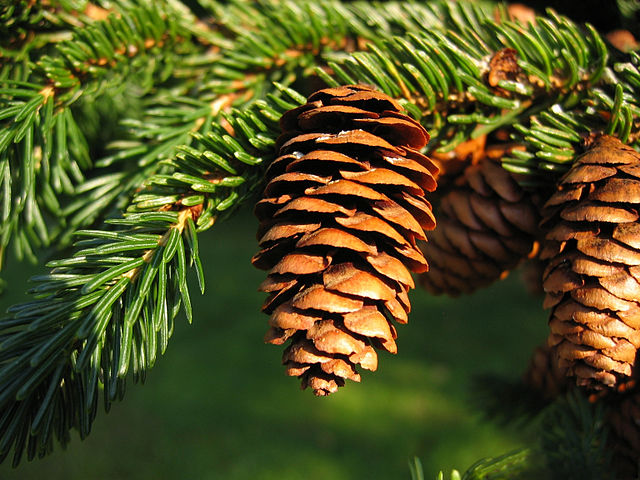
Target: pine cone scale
[(369, 223), (621, 285), (346, 278), (591, 212), (317, 297), (628, 234), (392, 268), (608, 251), (615, 188), (400, 217), (301, 264)]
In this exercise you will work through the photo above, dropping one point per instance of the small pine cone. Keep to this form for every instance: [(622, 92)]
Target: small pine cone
[(544, 375), (486, 226), (592, 250), (339, 219)]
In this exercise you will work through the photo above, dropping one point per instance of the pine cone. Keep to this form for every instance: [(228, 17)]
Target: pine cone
[(486, 226), (592, 276), (341, 213)]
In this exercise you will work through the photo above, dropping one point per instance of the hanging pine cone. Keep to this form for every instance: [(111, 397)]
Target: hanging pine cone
[(339, 219), (486, 226), (593, 252)]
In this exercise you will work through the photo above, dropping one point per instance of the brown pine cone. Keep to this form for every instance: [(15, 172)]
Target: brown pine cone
[(486, 226), (339, 219), (592, 277)]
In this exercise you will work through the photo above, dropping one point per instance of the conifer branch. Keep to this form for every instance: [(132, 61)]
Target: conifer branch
[(573, 437), (569, 443), (27, 26), (43, 152), (548, 84), (279, 42), (105, 310), (109, 309), (168, 122)]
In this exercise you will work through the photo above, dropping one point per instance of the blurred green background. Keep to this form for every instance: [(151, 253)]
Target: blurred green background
[(218, 405)]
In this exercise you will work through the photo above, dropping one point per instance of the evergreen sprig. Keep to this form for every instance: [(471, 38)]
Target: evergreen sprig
[(195, 74), (568, 87), (166, 123), (26, 26), (279, 41), (570, 443), (569, 433), (553, 135), (100, 55), (42, 155), (518, 465), (573, 439), (109, 308), (565, 85), (43, 151)]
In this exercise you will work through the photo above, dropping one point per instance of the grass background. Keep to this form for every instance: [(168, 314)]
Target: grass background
[(218, 405)]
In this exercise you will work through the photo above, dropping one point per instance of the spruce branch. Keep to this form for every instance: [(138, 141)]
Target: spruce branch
[(570, 442), (87, 70), (548, 84), (43, 151), (517, 465), (553, 136), (144, 41), (402, 18), (167, 123), (521, 464), (98, 314), (109, 308), (198, 143), (568, 433), (172, 127), (573, 439), (279, 41), (27, 26), (42, 154)]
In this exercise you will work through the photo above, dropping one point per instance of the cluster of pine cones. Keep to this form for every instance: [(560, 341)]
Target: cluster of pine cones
[(342, 225)]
